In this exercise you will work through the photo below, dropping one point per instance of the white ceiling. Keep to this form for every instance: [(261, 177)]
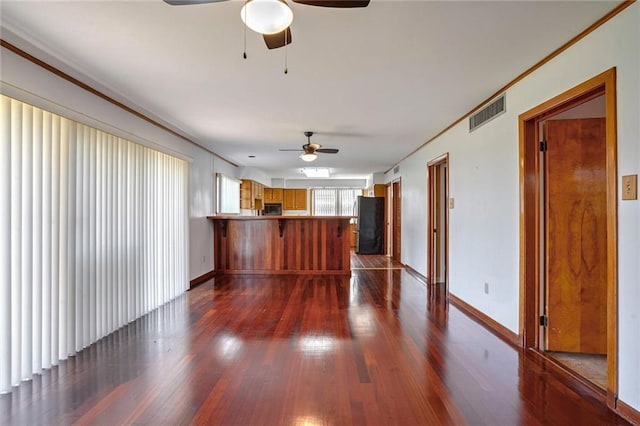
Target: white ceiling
[(375, 82)]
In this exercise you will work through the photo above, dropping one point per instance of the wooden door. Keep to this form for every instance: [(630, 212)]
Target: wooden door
[(438, 221), (438, 213), (576, 236), (388, 217), (396, 221)]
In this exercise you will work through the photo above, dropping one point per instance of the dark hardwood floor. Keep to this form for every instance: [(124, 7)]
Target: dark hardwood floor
[(373, 349)]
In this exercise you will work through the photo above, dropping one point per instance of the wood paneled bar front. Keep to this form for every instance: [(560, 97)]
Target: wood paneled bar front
[(281, 244)]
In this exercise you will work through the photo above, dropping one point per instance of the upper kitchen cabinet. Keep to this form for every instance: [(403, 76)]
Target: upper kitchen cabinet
[(273, 195), (251, 195), (295, 199)]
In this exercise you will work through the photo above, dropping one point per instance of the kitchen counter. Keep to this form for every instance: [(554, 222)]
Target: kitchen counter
[(281, 244)]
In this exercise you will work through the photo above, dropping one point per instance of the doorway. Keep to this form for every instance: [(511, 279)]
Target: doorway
[(438, 226), (568, 232), (393, 222)]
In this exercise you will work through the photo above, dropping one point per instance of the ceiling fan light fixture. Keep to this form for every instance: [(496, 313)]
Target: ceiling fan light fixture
[(266, 16), (308, 156)]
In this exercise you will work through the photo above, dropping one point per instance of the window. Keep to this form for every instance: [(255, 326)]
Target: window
[(335, 201), (228, 193)]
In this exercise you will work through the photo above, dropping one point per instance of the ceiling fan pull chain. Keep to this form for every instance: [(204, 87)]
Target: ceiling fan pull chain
[(286, 49), (244, 54)]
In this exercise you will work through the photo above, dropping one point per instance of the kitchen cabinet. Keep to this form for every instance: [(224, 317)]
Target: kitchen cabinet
[(377, 190), (258, 190), (251, 195), (246, 195), (295, 199), (273, 195)]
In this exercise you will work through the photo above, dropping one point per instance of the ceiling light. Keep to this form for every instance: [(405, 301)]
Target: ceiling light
[(266, 16), (308, 156), (315, 172)]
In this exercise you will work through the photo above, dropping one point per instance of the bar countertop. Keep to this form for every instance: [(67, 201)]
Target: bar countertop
[(234, 217)]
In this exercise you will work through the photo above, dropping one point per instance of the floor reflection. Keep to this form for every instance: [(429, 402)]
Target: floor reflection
[(380, 347)]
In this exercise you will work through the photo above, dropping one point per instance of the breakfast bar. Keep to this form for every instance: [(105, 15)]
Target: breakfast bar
[(281, 244)]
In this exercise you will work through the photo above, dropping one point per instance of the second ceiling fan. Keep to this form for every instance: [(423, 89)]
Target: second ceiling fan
[(272, 18), (310, 149)]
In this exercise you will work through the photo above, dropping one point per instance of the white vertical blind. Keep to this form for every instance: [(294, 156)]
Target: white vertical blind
[(347, 201), (5, 243), (335, 201), (324, 202), (92, 236)]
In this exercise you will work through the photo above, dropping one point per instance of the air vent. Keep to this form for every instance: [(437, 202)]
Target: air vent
[(396, 170), (488, 113)]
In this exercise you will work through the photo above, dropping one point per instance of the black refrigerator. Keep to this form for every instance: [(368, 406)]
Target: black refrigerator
[(370, 226)]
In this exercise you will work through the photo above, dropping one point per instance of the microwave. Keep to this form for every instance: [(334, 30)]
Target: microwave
[(272, 209)]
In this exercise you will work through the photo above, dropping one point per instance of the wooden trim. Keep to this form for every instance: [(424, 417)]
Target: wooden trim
[(396, 203), (202, 279), (628, 412), (415, 274), (530, 221), (439, 159), (388, 218), (442, 159), (612, 235), (526, 73), (95, 92), (602, 84), (447, 229), (492, 325), (566, 100), (430, 223)]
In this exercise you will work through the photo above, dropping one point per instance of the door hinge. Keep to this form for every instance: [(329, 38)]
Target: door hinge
[(543, 146), (544, 320)]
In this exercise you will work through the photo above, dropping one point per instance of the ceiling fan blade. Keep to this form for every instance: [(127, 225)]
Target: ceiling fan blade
[(190, 2), (342, 4), (296, 150), (277, 40), (327, 150)]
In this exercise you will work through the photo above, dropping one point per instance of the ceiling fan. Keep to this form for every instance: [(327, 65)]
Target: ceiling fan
[(272, 18), (310, 149)]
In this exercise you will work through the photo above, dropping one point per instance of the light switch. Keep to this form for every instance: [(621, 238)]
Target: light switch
[(630, 187), (450, 202)]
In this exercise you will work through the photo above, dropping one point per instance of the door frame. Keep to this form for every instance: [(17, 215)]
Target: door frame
[(531, 222), (388, 217), (432, 167), (395, 203)]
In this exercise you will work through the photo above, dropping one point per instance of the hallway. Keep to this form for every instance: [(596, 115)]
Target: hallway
[(304, 350)]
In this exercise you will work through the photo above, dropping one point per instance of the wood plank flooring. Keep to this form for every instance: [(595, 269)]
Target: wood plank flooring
[(373, 349), (373, 262)]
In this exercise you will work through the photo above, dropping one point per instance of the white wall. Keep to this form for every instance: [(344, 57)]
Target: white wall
[(25, 81), (484, 182), (254, 174)]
